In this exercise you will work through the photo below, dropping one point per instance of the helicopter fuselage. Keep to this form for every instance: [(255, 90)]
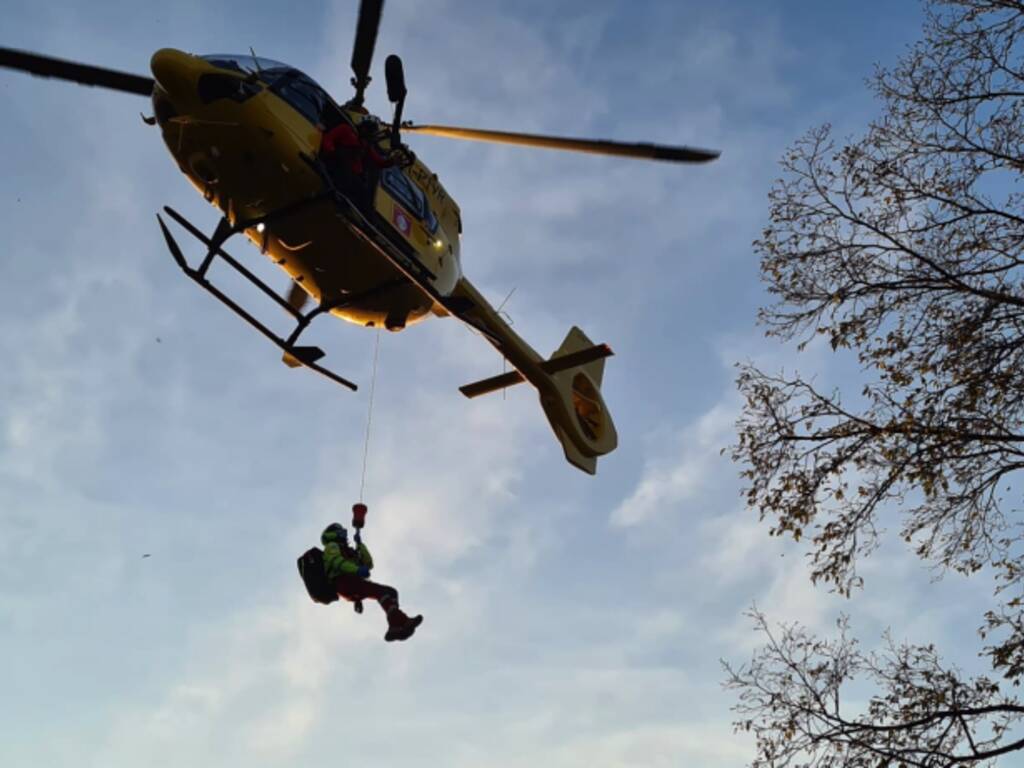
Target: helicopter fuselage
[(249, 142), (247, 133), (376, 249)]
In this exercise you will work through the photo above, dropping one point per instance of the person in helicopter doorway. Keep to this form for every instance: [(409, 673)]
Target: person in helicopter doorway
[(354, 160), (348, 570)]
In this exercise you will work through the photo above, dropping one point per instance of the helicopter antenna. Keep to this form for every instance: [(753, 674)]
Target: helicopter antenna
[(504, 302), (508, 319), (256, 62)]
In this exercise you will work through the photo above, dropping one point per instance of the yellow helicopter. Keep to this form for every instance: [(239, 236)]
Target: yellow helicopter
[(248, 132)]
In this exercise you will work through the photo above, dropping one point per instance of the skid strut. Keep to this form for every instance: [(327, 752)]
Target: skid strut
[(306, 355)]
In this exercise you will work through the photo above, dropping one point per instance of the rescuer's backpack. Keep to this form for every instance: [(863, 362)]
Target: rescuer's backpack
[(311, 569)]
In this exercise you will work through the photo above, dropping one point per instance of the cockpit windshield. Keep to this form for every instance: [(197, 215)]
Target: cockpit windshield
[(300, 91), (297, 89), (249, 65)]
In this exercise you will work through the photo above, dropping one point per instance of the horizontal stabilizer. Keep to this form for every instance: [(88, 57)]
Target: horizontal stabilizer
[(554, 365), (576, 359), (493, 384)]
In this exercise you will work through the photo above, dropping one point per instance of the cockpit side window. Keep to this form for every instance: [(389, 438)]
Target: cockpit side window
[(305, 96), (408, 194), (215, 85)]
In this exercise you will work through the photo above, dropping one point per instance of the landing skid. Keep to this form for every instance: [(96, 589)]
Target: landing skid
[(359, 224), (306, 355)]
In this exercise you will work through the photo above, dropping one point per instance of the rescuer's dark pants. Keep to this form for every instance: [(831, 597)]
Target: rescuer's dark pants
[(400, 626), (354, 588)]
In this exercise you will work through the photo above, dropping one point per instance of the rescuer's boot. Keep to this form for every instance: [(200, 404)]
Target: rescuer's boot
[(400, 626)]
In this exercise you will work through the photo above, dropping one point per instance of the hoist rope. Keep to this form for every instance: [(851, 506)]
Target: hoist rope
[(369, 415)]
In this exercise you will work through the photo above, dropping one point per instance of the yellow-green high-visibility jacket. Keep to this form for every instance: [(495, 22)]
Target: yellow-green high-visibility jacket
[(338, 560)]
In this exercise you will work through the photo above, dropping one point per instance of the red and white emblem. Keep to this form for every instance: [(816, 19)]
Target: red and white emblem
[(401, 220)]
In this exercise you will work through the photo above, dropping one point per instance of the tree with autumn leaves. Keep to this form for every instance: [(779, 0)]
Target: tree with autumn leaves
[(905, 247)]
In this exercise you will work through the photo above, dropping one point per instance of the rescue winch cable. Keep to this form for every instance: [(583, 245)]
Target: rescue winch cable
[(369, 415)]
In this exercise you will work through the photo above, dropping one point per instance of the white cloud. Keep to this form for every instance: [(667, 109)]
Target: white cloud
[(707, 743), (735, 544), (683, 470)]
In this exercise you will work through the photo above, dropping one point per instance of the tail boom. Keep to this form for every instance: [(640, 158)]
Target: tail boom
[(569, 383)]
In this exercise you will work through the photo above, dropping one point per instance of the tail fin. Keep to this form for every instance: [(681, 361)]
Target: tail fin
[(575, 408), (569, 383)]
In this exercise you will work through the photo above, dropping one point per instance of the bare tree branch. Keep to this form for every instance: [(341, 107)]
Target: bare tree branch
[(905, 247)]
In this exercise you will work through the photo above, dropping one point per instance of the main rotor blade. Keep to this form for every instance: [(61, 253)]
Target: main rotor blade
[(45, 66), (366, 39), (594, 146)]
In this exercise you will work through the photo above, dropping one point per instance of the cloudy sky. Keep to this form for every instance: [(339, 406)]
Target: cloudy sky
[(570, 620)]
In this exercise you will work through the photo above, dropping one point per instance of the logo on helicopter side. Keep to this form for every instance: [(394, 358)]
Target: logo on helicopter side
[(401, 221)]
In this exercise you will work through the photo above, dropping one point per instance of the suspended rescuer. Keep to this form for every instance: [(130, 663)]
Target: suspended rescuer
[(341, 570)]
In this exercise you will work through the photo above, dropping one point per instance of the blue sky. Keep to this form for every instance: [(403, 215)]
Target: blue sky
[(570, 620)]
